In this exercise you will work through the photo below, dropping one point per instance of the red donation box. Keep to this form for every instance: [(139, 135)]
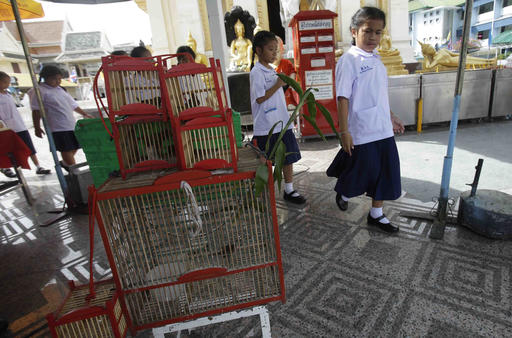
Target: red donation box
[(313, 46)]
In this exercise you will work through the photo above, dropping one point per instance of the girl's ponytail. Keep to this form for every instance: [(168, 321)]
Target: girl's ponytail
[(252, 59)]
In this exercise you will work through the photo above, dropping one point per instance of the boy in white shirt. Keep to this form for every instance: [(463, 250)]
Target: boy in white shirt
[(12, 119)]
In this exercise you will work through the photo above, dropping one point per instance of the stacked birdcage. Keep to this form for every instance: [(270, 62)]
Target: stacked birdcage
[(137, 112), (190, 244), (201, 119), (83, 316), (187, 241)]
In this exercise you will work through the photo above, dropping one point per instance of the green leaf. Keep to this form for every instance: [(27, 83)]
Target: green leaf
[(261, 179), (328, 118), (312, 122), (292, 83), (312, 105), (279, 163), (262, 172), (270, 133)]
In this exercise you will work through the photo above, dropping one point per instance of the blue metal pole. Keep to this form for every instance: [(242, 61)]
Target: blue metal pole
[(437, 231)]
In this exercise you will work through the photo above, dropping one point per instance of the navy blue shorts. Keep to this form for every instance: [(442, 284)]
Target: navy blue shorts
[(65, 140), (374, 169), (289, 142), (25, 136)]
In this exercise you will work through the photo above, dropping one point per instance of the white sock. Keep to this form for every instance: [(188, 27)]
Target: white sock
[(377, 212), (288, 188), (344, 198), (38, 167)]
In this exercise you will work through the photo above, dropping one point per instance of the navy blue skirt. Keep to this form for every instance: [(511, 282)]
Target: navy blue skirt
[(374, 169), (290, 142), (25, 136), (65, 140)]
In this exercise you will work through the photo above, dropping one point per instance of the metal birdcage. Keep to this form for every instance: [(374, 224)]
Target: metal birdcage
[(133, 86), (142, 134), (194, 90), (81, 316), (185, 250), (196, 100)]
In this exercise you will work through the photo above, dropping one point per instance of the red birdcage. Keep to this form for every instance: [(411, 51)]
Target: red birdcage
[(137, 112), (203, 124), (80, 316), (190, 244), (93, 310)]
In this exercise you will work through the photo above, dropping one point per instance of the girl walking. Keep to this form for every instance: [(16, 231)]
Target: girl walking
[(268, 107), (366, 121), (59, 107)]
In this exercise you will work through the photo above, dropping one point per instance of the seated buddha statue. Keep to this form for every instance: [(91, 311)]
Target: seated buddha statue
[(200, 58), (390, 56), (444, 59), (241, 50)]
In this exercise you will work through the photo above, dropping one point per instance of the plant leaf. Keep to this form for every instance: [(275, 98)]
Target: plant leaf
[(312, 104), (328, 118), (270, 133), (279, 163), (261, 179), (292, 83), (312, 122)]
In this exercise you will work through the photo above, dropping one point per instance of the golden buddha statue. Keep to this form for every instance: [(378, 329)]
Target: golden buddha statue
[(200, 58), (390, 56), (443, 59), (241, 50)]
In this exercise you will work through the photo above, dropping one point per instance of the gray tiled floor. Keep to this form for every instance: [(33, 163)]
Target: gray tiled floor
[(343, 278)]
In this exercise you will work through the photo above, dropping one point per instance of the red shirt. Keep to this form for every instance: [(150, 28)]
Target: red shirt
[(286, 67)]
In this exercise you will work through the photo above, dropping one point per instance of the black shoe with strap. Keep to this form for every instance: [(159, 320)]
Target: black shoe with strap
[(343, 205), (298, 199), (9, 173), (387, 227), (43, 171)]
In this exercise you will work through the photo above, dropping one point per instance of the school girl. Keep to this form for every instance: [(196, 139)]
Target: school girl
[(12, 118), (59, 107), (366, 121), (268, 106)]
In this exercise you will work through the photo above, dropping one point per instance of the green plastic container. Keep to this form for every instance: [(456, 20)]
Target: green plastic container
[(237, 127), (99, 148)]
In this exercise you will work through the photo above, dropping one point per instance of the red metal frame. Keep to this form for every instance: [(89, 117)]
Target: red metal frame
[(315, 61), (172, 182)]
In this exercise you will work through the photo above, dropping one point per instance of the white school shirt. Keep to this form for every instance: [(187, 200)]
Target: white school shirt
[(58, 105), (362, 78), (266, 114), (9, 113)]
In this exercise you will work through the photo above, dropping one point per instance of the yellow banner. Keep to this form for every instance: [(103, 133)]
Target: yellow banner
[(29, 9)]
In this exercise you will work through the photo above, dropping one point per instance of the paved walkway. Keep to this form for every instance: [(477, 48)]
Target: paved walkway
[(343, 278)]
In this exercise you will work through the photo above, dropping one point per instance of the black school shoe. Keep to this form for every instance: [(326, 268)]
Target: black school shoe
[(9, 173), (343, 205), (387, 227), (294, 199)]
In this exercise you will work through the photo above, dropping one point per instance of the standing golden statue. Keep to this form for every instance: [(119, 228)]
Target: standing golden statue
[(443, 59), (200, 58), (241, 50)]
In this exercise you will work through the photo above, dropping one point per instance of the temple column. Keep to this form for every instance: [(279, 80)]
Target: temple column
[(219, 41)]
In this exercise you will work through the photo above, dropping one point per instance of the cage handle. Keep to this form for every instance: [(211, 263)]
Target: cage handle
[(193, 212), (92, 213), (97, 98)]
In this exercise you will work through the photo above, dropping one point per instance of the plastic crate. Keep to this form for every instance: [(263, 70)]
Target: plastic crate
[(237, 128), (99, 148)]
